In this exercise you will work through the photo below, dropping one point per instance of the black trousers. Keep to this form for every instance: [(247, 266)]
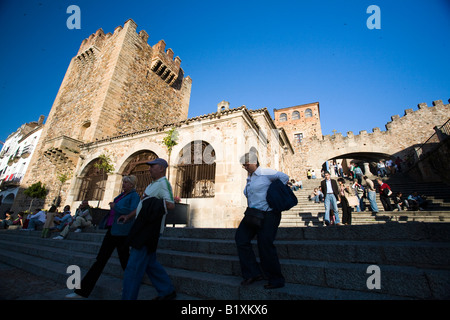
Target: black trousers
[(109, 243), (386, 202), (265, 236), (346, 211)]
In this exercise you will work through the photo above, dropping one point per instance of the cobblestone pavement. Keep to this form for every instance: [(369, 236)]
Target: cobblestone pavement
[(17, 284)]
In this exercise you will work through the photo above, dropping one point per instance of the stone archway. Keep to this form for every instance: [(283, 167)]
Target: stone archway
[(6, 204), (366, 160)]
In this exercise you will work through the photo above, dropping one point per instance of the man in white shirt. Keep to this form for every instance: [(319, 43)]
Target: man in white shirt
[(258, 182), (37, 219)]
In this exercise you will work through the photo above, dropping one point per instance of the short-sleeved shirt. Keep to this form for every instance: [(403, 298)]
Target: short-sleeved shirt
[(160, 189)]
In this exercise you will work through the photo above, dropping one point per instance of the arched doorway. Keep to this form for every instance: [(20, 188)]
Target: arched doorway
[(138, 167), (93, 183), (367, 161)]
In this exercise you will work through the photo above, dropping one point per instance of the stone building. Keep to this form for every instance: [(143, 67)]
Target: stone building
[(119, 98), (401, 137), (301, 123)]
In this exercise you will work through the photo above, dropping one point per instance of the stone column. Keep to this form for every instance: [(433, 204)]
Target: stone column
[(367, 170)]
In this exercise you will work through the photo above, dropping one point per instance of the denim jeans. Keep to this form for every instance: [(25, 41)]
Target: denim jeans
[(372, 195), (331, 203), (267, 251), (34, 224), (139, 263)]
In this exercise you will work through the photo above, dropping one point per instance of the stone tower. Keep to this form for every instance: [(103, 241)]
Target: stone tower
[(300, 122), (302, 126), (116, 84)]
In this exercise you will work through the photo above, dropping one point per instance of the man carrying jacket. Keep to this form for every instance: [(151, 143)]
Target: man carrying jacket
[(144, 235)]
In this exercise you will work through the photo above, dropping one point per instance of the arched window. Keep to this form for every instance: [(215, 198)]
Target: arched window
[(283, 117), (196, 171), (83, 129), (295, 115), (138, 167), (308, 113)]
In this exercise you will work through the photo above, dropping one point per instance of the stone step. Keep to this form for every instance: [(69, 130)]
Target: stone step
[(419, 253), (413, 259), (190, 284)]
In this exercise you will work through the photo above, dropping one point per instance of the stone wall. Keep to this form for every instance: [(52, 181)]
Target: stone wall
[(116, 84), (402, 134), (230, 133)]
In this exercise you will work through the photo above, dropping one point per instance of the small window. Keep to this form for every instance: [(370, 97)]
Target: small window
[(308, 113), (298, 137), (295, 115), (283, 117)]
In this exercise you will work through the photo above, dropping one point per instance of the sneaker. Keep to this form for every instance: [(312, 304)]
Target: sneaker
[(59, 238), (74, 295), (78, 230)]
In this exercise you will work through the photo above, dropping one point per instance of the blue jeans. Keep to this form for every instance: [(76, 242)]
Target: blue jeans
[(372, 195), (34, 223), (267, 251), (139, 263), (331, 203)]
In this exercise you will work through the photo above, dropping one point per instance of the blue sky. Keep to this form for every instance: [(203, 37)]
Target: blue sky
[(272, 54)]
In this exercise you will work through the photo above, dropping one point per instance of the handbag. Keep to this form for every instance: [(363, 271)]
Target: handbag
[(353, 201), (253, 218), (280, 197)]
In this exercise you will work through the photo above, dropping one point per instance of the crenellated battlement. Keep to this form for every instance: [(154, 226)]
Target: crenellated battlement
[(163, 62), (402, 134), (410, 119)]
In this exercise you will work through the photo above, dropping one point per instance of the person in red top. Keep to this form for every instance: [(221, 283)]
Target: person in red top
[(385, 193)]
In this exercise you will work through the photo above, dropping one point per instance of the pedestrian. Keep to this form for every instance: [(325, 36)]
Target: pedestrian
[(49, 221), (358, 174), (385, 194), (371, 194), (381, 169), (330, 189), (144, 236), (116, 234), (258, 182), (345, 193)]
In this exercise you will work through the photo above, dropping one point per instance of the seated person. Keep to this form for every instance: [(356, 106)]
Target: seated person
[(399, 202), (36, 219), (416, 201), (82, 219), (5, 223)]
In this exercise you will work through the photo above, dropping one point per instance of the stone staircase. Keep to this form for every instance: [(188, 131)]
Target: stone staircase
[(318, 263), (308, 213)]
